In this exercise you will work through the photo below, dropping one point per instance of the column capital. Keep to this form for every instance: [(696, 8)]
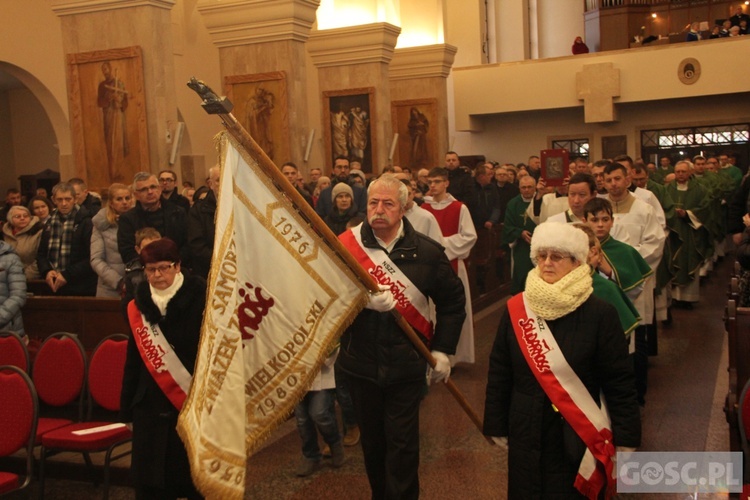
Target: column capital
[(422, 62), (73, 7), (367, 43), (243, 22)]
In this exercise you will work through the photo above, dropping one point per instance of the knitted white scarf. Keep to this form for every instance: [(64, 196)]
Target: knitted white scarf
[(552, 301), (162, 297)]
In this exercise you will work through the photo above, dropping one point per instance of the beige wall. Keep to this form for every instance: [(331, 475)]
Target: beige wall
[(646, 74), (512, 137), (195, 55), (34, 142), (8, 177)]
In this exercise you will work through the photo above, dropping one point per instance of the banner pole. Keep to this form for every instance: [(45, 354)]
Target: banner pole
[(221, 106)]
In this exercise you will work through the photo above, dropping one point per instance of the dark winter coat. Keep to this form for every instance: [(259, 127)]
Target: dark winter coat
[(201, 229), (544, 452), (338, 221), (374, 347), (81, 278), (159, 457), (170, 220)]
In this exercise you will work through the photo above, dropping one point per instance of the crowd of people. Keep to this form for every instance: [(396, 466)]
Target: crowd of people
[(596, 262)]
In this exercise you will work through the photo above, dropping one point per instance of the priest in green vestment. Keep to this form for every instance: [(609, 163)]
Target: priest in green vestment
[(692, 205), (517, 230)]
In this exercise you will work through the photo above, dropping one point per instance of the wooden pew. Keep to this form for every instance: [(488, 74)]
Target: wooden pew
[(737, 323), (90, 317)]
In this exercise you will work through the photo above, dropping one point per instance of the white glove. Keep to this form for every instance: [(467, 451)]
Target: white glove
[(500, 441), (382, 301), (442, 369)]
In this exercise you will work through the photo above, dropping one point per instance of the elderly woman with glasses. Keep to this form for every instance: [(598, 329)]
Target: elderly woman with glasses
[(23, 232), (559, 354), (165, 320)]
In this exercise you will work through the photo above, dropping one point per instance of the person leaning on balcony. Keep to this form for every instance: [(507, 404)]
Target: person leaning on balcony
[(579, 47)]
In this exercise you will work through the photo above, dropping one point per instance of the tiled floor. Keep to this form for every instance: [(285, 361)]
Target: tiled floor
[(686, 390)]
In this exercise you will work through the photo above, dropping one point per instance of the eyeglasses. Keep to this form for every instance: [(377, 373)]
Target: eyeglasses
[(166, 179), (162, 269), (144, 189), (553, 256)]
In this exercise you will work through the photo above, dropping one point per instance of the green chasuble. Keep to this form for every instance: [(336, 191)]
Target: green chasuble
[(665, 271), (716, 187), (659, 174), (629, 269), (611, 293), (694, 242), (516, 221)]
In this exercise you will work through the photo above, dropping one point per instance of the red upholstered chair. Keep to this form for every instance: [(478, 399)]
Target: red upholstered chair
[(105, 383), (13, 350), (59, 375), (19, 409), (744, 423)]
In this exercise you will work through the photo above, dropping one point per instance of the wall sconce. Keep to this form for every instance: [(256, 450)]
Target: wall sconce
[(653, 16)]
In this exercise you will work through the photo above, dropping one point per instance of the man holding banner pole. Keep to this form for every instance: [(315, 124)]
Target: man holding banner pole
[(264, 337), (386, 371)]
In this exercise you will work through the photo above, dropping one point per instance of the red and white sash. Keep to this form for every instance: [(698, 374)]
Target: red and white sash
[(410, 301), (160, 359), (570, 397)]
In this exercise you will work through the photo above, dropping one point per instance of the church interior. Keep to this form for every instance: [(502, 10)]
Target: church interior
[(495, 80)]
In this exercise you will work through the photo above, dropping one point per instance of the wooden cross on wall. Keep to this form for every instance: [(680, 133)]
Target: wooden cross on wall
[(597, 85)]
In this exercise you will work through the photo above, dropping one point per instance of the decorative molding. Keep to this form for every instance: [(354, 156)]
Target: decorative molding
[(422, 62), (368, 43), (243, 22), (73, 7)]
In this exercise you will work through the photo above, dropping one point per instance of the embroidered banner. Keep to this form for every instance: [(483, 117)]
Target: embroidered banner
[(278, 300)]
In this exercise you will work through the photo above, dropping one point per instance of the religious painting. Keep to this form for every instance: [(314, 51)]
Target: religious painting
[(555, 166), (260, 105), (348, 118), (108, 115), (415, 122)]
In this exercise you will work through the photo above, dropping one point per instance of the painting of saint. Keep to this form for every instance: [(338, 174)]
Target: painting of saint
[(259, 109), (112, 98), (418, 125)]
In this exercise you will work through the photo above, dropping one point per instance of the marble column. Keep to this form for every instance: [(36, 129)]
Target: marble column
[(263, 68), (418, 81), (95, 31), (355, 61)]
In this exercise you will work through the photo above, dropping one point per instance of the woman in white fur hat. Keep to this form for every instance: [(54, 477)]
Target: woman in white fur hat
[(559, 354)]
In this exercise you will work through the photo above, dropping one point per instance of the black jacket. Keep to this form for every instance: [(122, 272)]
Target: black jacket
[(81, 278), (178, 200), (159, 457), (170, 220), (337, 222), (201, 229), (593, 343), (92, 204), (462, 185), (374, 347)]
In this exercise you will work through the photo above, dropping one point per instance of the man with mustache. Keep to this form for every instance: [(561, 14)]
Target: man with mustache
[(385, 372)]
